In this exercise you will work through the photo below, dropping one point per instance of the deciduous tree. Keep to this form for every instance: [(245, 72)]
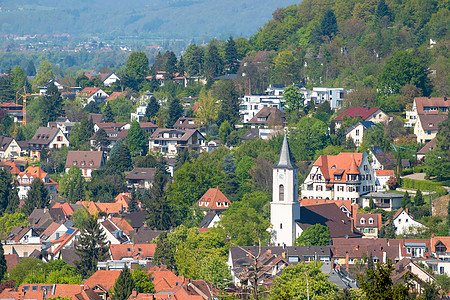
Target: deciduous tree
[(314, 235)]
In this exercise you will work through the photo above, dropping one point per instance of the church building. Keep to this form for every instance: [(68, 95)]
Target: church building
[(288, 218)]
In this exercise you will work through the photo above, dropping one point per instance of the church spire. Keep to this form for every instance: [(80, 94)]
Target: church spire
[(285, 160)]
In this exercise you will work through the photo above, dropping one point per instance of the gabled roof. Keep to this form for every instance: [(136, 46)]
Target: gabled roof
[(384, 172), (376, 220), (146, 235), (11, 166), (181, 134), (352, 208), (365, 124), (135, 251), (353, 112), (428, 146), (114, 95), (4, 142), (147, 125), (285, 159), (328, 215), (385, 159), (89, 91), (186, 123), (431, 122), (84, 159), (50, 230), (44, 135), (440, 239), (358, 248), (164, 279), (251, 134), (141, 174), (209, 217), (268, 116), (96, 118), (342, 164), (214, 199), (422, 102), (104, 278)]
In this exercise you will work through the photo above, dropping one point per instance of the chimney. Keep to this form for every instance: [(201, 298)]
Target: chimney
[(407, 210), (134, 293), (384, 257), (368, 107)]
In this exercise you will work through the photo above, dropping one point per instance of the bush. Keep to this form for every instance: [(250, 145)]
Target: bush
[(420, 169), (407, 172), (424, 185)]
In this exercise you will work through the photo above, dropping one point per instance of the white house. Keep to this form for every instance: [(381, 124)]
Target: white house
[(345, 176), (372, 114), (381, 179), (47, 138), (405, 224), (90, 94), (356, 132), (252, 104), (139, 113), (334, 95), (427, 126), (426, 105), (9, 148), (110, 79), (383, 200), (87, 161), (170, 141), (25, 179), (114, 235)]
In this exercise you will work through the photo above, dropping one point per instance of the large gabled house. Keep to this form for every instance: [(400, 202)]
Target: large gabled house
[(356, 132), (372, 114), (91, 94), (141, 178), (87, 161), (427, 126), (170, 141), (26, 178), (268, 117), (345, 176), (9, 148), (426, 106), (47, 138)]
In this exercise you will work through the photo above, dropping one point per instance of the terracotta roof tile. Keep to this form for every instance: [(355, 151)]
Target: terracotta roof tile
[(344, 163), (105, 278), (364, 112), (422, 102), (214, 199)]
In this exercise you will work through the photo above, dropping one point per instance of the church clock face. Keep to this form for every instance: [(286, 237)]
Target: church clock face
[(281, 176)]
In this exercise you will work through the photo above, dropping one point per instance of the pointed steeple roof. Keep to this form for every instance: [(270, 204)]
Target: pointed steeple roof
[(285, 160), (353, 167)]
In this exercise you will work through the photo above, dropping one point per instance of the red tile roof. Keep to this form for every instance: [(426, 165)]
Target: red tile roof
[(364, 112), (352, 208), (384, 172), (342, 164), (105, 278), (422, 102), (164, 279), (13, 169), (114, 95), (214, 199), (135, 251), (88, 91)]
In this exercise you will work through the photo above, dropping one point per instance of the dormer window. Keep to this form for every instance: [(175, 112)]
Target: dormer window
[(362, 221), (370, 221)]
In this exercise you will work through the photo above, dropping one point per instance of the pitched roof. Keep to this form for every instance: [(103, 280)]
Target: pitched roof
[(384, 172), (352, 208), (147, 125), (364, 112), (145, 235), (376, 220), (135, 251), (285, 159), (104, 278), (114, 95), (4, 142), (442, 239), (11, 166), (385, 159), (186, 123), (84, 159), (88, 91), (96, 118), (142, 173), (251, 134), (214, 199), (431, 122), (175, 134), (365, 124), (328, 215), (44, 135), (164, 279), (95, 207), (428, 146), (422, 102), (50, 230), (267, 116), (209, 217), (342, 164), (123, 225), (358, 248)]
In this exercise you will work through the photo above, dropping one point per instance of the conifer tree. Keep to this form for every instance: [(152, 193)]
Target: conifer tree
[(231, 55), (170, 65), (136, 139), (92, 247), (133, 202), (406, 200), (101, 139), (9, 200), (175, 111), (418, 198), (164, 253), (3, 266), (328, 26), (108, 115), (37, 197), (123, 286), (152, 110)]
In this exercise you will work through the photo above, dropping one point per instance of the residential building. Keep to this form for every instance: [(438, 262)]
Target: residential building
[(40, 291), (109, 79), (383, 200), (368, 224), (90, 94), (184, 123), (65, 126), (148, 127), (9, 148), (215, 200), (114, 235), (372, 114), (381, 160), (212, 145), (169, 141), (252, 104), (346, 176), (139, 114), (424, 150), (268, 117), (14, 110), (87, 161), (334, 95), (141, 178), (12, 166), (25, 179), (356, 132), (346, 206), (47, 138), (43, 90), (426, 106), (405, 224), (409, 271), (427, 127), (115, 95), (381, 179)]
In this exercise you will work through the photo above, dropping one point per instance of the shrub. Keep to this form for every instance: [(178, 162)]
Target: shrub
[(424, 185)]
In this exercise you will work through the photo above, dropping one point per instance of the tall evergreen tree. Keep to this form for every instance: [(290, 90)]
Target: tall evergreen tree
[(381, 11), (418, 198), (180, 66), (3, 266), (6, 89), (31, 69), (92, 247), (175, 111), (328, 25), (225, 91), (231, 56), (37, 197), (123, 286), (152, 110), (136, 139), (160, 211), (108, 115), (101, 139), (51, 105), (170, 65), (406, 200), (133, 206), (122, 161), (9, 200), (213, 63), (164, 253)]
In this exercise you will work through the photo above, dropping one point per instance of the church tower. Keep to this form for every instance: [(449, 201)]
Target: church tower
[(285, 207)]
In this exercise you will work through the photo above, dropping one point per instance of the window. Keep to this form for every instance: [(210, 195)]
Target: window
[(370, 221), (281, 225), (281, 192), (319, 177), (319, 188), (59, 138), (365, 167), (362, 221), (357, 131)]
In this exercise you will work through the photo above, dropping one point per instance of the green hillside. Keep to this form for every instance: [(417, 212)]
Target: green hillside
[(175, 18)]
